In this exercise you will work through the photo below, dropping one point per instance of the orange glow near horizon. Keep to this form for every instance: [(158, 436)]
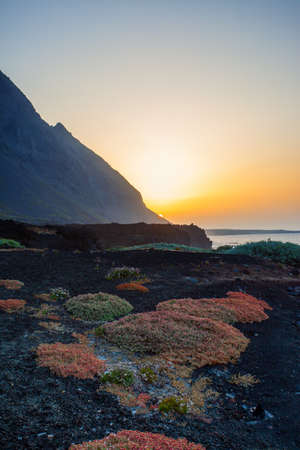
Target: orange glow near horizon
[(239, 197)]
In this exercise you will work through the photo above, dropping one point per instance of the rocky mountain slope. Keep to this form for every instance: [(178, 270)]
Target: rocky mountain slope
[(48, 176)]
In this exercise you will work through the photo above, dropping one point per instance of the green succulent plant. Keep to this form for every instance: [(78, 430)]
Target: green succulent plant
[(98, 307), (172, 404), (123, 377), (148, 375), (123, 273)]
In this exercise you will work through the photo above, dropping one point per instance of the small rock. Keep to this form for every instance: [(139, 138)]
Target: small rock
[(206, 419), (258, 411), (228, 395)]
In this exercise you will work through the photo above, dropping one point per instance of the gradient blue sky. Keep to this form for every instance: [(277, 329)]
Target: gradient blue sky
[(196, 103)]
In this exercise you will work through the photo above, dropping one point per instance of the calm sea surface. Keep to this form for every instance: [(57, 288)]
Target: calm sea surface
[(234, 239)]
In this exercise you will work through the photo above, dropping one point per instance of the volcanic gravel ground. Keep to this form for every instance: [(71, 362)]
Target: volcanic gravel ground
[(39, 410)]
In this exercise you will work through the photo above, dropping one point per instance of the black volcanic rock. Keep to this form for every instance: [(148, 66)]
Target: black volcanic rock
[(48, 176)]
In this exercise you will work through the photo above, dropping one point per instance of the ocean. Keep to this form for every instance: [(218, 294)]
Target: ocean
[(234, 239)]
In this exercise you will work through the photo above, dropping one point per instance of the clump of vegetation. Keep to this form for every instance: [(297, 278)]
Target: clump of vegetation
[(172, 404), (59, 293), (75, 360), (123, 273), (52, 326), (44, 297), (200, 395), (237, 307), (99, 331), (163, 246), (127, 439), (132, 287), (246, 380), (11, 243), (148, 375), (286, 253), (178, 337), (224, 248), (11, 284), (123, 377), (81, 338), (246, 308), (198, 308), (98, 307), (12, 305), (45, 311), (126, 396)]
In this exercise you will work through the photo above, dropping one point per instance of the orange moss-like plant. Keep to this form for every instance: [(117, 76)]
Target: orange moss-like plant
[(12, 305), (127, 439), (11, 284), (198, 308), (53, 317), (246, 308), (132, 287), (178, 337), (236, 307), (69, 359), (82, 339), (44, 297)]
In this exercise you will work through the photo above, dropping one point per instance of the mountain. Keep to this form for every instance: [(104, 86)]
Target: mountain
[(48, 176)]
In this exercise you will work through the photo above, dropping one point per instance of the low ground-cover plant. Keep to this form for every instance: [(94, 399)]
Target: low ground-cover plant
[(246, 308), (99, 331), (45, 311), (69, 359), (59, 293), (98, 307), (137, 440), (11, 284), (123, 273), (236, 307), (52, 326), (178, 337), (163, 246), (223, 248), (132, 286), (198, 308), (172, 404), (148, 375), (45, 297), (12, 305), (118, 376), (200, 395), (245, 380), (126, 395), (10, 243), (284, 252)]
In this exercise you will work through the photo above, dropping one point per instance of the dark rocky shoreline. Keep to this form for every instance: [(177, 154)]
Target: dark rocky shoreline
[(102, 236), (41, 410)]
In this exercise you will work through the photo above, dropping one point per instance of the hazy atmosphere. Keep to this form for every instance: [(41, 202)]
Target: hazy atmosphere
[(195, 103)]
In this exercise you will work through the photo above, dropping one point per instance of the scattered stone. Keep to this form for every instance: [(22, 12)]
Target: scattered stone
[(258, 411)]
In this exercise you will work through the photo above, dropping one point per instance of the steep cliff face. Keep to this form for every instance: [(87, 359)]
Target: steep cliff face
[(48, 176)]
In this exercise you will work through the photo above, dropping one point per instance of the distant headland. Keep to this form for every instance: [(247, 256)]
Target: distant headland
[(229, 231)]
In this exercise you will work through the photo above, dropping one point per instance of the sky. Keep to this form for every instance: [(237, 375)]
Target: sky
[(195, 102)]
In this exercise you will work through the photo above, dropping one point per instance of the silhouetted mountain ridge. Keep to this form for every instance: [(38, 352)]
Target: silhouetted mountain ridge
[(47, 175)]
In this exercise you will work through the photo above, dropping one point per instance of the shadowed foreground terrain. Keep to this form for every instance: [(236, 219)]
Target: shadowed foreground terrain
[(39, 409)]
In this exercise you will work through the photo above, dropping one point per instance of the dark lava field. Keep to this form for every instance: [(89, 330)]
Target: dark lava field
[(40, 410)]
